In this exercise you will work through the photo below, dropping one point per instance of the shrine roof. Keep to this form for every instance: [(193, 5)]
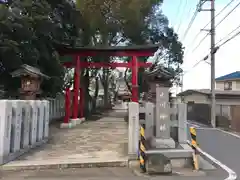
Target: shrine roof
[(159, 72), (108, 50), (29, 70)]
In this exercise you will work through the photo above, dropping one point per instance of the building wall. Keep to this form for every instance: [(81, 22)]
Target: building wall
[(219, 85), (196, 98), (235, 85), (235, 101), (238, 85), (203, 99)]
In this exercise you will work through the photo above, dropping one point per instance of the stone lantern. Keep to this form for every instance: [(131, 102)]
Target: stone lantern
[(31, 79)]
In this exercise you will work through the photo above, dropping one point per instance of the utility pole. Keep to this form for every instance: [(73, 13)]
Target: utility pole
[(182, 82), (213, 50), (212, 31)]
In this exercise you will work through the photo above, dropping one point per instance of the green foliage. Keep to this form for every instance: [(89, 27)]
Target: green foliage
[(131, 22), (29, 30)]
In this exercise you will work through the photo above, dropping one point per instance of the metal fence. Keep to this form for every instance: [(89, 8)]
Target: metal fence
[(227, 116)]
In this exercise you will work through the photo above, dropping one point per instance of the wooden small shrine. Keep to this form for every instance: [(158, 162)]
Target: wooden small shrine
[(31, 79)]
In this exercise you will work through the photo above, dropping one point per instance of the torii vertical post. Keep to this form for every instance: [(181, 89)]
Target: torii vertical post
[(76, 87), (67, 106), (78, 52), (134, 79), (81, 102)]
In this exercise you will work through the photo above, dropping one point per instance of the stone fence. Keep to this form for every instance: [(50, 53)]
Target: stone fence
[(56, 107), (24, 124)]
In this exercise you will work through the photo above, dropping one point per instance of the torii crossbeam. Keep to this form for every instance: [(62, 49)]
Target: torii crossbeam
[(74, 62)]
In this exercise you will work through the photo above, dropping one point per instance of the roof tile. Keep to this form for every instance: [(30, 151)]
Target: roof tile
[(234, 75)]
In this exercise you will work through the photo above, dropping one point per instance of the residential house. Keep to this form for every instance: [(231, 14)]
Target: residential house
[(227, 91), (229, 82), (227, 102)]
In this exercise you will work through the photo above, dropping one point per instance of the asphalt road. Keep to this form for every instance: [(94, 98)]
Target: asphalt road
[(222, 146)]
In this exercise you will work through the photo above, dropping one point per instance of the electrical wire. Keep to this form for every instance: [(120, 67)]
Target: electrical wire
[(195, 65), (238, 27), (228, 40), (190, 25), (178, 11), (230, 12), (225, 7), (181, 19), (199, 5), (217, 48)]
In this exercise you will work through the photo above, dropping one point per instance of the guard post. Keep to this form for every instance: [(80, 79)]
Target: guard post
[(194, 147), (142, 149)]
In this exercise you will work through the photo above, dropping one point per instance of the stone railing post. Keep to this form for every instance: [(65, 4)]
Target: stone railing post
[(182, 123), (133, 129), (5, 129), (149, 119)]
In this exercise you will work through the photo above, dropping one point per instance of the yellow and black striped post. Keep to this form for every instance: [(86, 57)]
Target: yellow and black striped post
[(194, 147), (142, 149)]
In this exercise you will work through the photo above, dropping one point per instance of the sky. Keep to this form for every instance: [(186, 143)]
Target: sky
[(179, 14)]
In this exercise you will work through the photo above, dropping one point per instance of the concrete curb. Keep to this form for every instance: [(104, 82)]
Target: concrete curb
[(63, 165), (134, 166), (66, 126), (73, 123)]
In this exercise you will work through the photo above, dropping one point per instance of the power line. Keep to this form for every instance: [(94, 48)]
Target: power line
[(228, 34), (211, 19), (197, 63), (199, 5), (230, 12), (200, 42), (181, 19), (190, 24), (180, 5), (217, 47), (229, 39), (185, 72)]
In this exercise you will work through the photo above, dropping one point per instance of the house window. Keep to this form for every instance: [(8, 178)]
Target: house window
[(227, 85)]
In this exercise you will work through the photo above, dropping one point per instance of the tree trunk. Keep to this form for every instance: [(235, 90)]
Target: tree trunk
[(125, 79), (94, 102), (87, 97), (105, 87)]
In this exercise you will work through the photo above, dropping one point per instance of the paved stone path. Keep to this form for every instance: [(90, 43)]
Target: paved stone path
[(102, 139)]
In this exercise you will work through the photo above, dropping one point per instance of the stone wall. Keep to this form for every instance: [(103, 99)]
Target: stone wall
[(24, 124)]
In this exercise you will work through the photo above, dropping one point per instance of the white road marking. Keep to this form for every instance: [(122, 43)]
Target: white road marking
[(199, 126), (194, 125), (230, 133), (231, 174)]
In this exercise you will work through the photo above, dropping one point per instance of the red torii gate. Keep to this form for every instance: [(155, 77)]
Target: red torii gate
[(78, 52)]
